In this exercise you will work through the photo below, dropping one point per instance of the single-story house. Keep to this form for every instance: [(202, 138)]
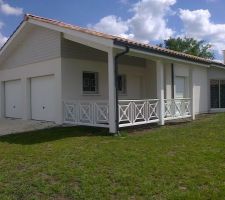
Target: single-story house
[(53, 71)]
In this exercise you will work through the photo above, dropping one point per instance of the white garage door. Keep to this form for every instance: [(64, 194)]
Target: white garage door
[(43, 98), (13, 99)]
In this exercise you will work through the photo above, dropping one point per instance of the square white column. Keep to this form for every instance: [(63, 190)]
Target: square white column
[(112, 92), (191, 93), (160, 90)]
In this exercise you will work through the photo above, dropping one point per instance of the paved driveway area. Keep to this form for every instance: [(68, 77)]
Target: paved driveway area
[(9, 126)]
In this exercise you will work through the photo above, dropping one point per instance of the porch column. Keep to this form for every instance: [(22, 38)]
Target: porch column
[(160, 90), (191, 93), (112, 92)]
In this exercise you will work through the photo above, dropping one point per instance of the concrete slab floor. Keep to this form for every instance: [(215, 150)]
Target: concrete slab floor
[(9, 126)]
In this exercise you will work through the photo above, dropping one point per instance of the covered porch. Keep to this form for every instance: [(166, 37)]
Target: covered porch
[(150, 89)]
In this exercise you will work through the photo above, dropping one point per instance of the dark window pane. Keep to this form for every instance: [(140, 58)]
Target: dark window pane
[(214, 93), (122, 84), (222, 94), (120, 88), (90, 82)]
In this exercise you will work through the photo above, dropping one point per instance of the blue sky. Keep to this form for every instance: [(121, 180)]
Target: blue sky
[(144, 20)]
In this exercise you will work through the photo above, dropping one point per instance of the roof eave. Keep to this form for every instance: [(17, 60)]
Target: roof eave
[(160, 53)]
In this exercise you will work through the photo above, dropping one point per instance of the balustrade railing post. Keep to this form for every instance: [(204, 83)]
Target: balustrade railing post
[(132, 107), (174, 106), (146, 114), (192, 109)]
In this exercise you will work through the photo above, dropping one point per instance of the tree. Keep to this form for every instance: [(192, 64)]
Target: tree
[(190, 46)]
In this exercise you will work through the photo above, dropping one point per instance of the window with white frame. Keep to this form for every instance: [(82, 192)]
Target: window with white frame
[(90, 82), (122, 84), (217, 93), (180, 87)]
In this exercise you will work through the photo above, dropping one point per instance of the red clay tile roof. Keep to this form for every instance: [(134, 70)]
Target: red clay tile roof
[(124, 41)]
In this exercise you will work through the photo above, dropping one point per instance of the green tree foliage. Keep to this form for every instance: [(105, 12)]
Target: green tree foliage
[(189, 46)]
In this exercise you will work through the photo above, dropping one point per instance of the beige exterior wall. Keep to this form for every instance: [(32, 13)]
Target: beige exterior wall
[(25, 73), (72, 79), (168, 81), (140, 74), (150, 80), (216, 73), (200, 79), (139, 84)]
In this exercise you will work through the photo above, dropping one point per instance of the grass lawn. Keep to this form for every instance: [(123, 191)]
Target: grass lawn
[(185, 161)]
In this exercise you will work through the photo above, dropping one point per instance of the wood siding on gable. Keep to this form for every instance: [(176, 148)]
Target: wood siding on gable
[(40, 44)]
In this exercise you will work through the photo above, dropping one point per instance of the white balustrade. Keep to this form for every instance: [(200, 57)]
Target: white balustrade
[(91, 113), (177, 108), (137, 112), (131, 112)]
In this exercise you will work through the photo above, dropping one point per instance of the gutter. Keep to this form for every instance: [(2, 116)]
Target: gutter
[(116, 85)]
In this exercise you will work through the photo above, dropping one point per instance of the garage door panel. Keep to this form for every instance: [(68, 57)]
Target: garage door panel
[(43, 98), (13, 99)]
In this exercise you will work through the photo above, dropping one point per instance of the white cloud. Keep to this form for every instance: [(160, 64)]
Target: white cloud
[(111, 24), (10, 10), (198, 24), (7, 10), (147, 23), (3, 39)]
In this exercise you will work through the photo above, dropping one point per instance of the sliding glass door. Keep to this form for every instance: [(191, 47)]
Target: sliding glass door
[(222, 94), (217, 93)]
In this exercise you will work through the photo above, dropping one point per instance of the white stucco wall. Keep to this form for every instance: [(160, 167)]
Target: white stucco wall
[(216, 73), (72, 70), (181, 70), (167, 81), (72, 79), (77, 58), (200, 80), (150, 80)]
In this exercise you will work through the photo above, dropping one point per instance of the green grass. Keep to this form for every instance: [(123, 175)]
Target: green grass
[(185, 161)]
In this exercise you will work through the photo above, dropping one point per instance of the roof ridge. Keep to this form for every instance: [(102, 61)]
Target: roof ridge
[(68, 25)]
